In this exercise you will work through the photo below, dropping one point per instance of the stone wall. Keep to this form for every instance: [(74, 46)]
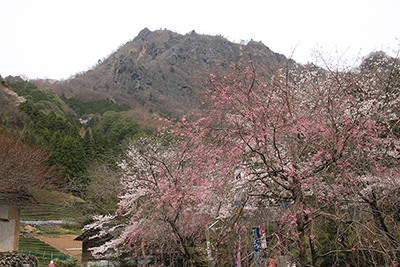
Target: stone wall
[(18, 260)]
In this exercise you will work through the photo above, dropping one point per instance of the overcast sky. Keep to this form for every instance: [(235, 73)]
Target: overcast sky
[(56, 38)]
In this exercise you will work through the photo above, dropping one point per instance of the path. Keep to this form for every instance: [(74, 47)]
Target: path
[(64, 243)]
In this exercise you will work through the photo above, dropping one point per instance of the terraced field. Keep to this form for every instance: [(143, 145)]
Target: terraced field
[(56, 220), (38, 248), (53, 206)]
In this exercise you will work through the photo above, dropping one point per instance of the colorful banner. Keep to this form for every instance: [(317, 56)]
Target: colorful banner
[(237, 252), (237, 207), (256, 243), (263, 237), (256, 239), (285, 205)]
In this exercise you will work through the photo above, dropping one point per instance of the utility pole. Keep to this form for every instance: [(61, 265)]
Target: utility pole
[(208, 243)]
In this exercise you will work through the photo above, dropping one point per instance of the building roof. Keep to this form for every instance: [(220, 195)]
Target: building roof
[(88, 236)]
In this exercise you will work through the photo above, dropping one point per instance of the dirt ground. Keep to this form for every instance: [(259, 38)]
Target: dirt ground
[(64, 243)]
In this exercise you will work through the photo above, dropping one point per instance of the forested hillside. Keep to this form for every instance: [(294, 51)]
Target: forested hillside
[(75, 143)]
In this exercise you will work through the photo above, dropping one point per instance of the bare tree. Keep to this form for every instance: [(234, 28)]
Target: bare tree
[(23, 168)]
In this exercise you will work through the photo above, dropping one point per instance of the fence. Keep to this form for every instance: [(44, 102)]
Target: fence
[(50, 256)]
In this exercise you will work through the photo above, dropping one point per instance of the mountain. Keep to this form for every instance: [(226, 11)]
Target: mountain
[(160, 71)]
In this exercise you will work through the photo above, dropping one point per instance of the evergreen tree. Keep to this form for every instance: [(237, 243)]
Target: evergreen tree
[(71, 156)]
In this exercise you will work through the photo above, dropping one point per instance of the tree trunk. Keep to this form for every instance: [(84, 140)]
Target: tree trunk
[(299, 202), (313, 254), (302, 241), (144, 256), (380, 220)]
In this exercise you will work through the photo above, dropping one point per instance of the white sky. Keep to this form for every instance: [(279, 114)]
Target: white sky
[(57, 38)]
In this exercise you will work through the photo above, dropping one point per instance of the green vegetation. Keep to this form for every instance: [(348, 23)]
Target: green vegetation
[(44, 100), (83, 109), (74, 147), (70, 151), (29, 90), (120, 128)]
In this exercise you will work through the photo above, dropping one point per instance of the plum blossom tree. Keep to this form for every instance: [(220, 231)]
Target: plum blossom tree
[(319, 140), (165, 205)]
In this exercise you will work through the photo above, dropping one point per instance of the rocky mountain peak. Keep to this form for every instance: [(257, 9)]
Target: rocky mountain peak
[(160, 70), (143, 34)]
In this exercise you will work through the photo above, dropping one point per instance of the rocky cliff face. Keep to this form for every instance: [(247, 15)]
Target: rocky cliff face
[(161, 71)]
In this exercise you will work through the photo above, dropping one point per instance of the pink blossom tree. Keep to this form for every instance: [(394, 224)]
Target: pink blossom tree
[(165, 205), (322, 141), (319, 140)]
